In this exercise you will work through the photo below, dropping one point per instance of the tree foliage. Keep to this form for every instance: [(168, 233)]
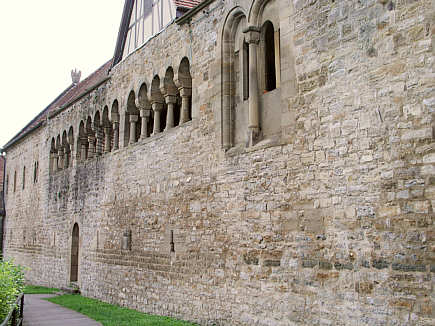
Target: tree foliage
[(11, 285)]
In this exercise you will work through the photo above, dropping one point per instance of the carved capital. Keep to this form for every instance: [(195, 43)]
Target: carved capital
[(170, 99), (185, 91), (144, 113), (134, 118), (157, 106), (252, 34)]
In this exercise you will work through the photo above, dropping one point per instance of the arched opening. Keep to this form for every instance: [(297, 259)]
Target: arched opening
[(115, 121), (90, 134), (147, 116), (66, 150), (107, 130), (98, 134), (268, 33), (185, 88), (157, 102), (75, 254), (82, 143), (170, 93), (132, 125)]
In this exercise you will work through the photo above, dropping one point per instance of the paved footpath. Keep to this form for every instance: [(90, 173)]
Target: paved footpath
[(39, 312)]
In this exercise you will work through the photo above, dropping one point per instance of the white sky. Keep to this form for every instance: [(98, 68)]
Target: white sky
[(41, 42)]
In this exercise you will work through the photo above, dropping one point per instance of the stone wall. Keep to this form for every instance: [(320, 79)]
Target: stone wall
[(330, 224)]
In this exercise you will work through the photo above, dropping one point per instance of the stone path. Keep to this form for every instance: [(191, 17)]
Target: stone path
[(39, 312)]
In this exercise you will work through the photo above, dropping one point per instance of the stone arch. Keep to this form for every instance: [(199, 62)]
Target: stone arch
[(132, 125), (53, 155), (183, 80), (171, 95), (71, 143), (146, 113), (107, 130), (65, 160), (233, 24), (59, 156), (114, 117), (75, 244), (82, 143), (90, 134), (98, 133), (157, 103)]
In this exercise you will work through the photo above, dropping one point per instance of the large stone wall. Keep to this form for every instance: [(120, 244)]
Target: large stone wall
[(331, 224)]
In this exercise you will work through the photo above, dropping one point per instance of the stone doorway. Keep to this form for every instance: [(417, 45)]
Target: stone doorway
[(75, 254)]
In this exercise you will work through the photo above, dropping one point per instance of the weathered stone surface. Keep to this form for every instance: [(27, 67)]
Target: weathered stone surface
[(329, 221)]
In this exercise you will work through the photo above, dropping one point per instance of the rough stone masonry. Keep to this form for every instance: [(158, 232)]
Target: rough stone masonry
[(298, 190)]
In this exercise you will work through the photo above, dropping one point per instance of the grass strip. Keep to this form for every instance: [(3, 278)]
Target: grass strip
[(36, 289), (111, 315)]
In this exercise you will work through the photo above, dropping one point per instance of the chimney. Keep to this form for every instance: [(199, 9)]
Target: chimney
[(75, 76)]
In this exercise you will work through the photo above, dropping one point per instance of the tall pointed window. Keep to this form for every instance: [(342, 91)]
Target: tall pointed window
[(269, 56)]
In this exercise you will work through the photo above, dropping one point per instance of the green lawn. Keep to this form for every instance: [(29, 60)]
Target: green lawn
[(110, 315), (36, 289)]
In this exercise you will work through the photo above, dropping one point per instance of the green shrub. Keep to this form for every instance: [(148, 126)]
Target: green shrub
[(11, 285)]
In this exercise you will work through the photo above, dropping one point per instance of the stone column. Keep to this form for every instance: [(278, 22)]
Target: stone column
[(106, 139), (145, 115), (61, 157), (83, 142), (186, 94), (99, 146), (253, 38), (52, 162), (157, 108), (133, 119), (170, 101), (115, 120), (91, 150), (67, 157)]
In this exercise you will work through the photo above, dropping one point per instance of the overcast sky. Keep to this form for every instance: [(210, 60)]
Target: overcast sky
[(41, 42)]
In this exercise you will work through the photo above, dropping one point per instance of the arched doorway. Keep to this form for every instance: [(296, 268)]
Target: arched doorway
[(75, 254)]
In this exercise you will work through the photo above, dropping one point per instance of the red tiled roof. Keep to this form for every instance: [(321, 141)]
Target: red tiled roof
[(187, 3), (68, 96)]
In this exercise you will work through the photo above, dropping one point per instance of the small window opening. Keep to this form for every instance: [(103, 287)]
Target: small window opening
[(269, 51), (7, 184), (15, 181), (35, 172), (24, 177), (172, 241)]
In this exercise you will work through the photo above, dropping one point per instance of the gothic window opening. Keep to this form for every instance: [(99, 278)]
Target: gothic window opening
[(269, 56), (245, 68)]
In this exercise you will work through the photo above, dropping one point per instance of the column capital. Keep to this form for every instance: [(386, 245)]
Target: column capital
[(145, 113), (157, 106), (252, 34), (185, 91), (134, 118), (170, 99)]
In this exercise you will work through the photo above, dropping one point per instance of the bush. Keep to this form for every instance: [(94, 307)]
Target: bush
[(11, 285)]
